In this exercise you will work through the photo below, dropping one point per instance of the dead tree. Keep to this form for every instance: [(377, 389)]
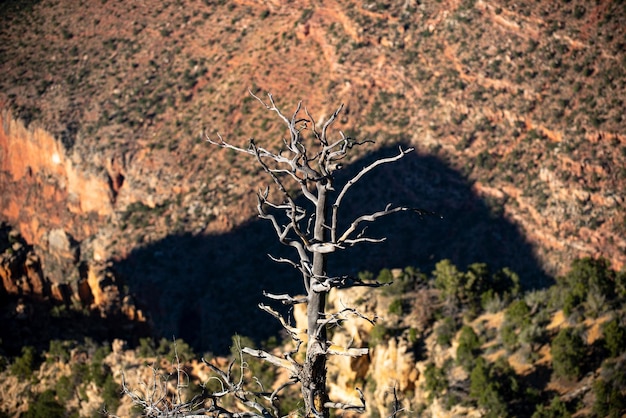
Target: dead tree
[(312, 228)]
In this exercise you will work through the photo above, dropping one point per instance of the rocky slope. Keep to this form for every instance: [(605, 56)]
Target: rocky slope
[(516, 111), (418, 360)]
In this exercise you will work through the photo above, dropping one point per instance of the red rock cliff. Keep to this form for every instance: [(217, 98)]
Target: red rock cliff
[(37, 176), (57, 206)]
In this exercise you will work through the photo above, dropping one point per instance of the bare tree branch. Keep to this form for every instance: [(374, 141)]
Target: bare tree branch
[(155, 399), (308, 160), (353, 181), (396, 404), (367, 218), (295, 333), (237, 390), (270, 358), (348, 407), (341, 316), (285, 299), (285, 260)]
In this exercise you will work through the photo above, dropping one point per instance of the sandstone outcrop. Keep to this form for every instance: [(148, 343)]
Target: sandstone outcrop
[(92, 285), (20, 268), (58, 207), (39, 178)]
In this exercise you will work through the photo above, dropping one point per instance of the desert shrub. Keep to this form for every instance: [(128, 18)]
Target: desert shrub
[(556, 297), (496, 389), (508, 336), (58, 351), (415, 274), (64, 389), (478, 280), (445, 331), (365, 276), (111, 394), (532, 335), (80, 372), (170, 349), (596, 302), (537, 299), (146, 348), (620, 280), (517, 314), (491, 302), (407, 280), (378, 334), (510, 387), (396, 307), (476, 287), (516, 319), (167, 349), (98, 371), (385, 276), (448, 279), (263, 372)]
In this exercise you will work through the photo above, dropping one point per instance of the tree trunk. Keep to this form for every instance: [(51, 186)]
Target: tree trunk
[(307, 167), (314, 372)]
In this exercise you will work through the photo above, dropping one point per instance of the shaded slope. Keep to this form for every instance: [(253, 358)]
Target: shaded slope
[(524, 100), (205, 288)]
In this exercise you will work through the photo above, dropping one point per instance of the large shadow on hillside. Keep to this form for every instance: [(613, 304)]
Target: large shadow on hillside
[(205, 289)]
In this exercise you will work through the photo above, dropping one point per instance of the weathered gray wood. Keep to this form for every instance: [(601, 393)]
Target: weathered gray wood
[(312, 167)]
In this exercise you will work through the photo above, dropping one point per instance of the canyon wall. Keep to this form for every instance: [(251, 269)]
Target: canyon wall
[(45, 188), (54, 207)]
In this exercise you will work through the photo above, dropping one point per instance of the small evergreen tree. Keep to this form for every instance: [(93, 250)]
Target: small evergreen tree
[(485, 390), (586, 275), (556, 409), (468, 349), (516, 318), (614, 337), (518, 314), (45, 406), (435, 380), (25, 364), (610, 400), (449, 280), (568, 352)]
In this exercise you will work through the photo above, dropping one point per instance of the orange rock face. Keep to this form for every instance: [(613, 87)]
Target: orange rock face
[(55, 204), (38, 177)]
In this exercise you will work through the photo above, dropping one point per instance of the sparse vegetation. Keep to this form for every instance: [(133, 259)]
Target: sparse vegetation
[(493, 386)]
